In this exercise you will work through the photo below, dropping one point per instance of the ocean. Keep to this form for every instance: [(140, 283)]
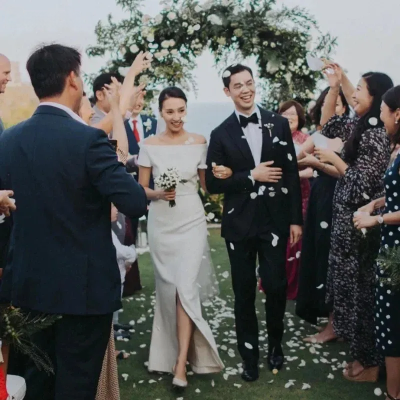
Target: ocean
[(202, 118)]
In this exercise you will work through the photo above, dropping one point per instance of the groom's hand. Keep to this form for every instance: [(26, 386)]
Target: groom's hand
[(6, 204), (265, 173), (295, 234)]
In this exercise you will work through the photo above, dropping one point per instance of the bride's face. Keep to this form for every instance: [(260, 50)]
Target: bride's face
[(173, 111)]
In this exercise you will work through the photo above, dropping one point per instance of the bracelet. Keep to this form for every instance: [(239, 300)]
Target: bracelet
[(122, 156)]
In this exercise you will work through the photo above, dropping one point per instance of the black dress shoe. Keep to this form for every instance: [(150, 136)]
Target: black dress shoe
[(275, 358), (250, 373), (122, 327), (122, 335)]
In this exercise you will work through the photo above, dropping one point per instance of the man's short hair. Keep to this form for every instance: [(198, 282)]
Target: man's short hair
[(104, 79), (233, 70)]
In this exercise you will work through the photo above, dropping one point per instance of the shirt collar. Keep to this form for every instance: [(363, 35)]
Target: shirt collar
[(76, 117), (256, 110), (138, 118)]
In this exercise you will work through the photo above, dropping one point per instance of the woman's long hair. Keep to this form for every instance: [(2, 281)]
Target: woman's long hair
[(392, 99), (378, 84)]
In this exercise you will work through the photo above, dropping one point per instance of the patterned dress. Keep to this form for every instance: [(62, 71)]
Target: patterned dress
[(388, 298), (351, 273), (292, 253)]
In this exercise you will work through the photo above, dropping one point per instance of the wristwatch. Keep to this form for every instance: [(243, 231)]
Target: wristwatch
[(380, 219)]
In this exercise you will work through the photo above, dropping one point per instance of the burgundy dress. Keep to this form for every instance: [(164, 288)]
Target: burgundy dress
[(293, 253)]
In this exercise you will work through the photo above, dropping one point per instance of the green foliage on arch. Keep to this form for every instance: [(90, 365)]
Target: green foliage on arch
[(233, 30)]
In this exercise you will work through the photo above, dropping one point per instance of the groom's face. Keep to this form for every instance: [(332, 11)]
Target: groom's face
[(242, 90)]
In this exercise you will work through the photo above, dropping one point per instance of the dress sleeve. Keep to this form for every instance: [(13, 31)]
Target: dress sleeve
[(363, 181), (338, 127), (203, 158), (144, 157)]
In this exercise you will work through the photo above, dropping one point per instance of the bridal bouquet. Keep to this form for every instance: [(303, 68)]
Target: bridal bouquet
[(168, 181)]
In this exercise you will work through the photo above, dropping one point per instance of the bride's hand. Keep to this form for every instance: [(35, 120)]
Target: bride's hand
[(222, 172), (168, 196)]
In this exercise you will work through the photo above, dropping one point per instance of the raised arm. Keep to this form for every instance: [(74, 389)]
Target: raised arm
[(334, 77), (111, 179)]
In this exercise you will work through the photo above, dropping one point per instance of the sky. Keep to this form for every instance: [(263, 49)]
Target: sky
[(368, 34)]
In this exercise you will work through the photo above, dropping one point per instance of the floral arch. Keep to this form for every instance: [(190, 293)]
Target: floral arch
[(278, 37)]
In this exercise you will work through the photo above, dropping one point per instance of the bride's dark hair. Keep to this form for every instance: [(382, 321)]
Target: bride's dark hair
[(171, 92)]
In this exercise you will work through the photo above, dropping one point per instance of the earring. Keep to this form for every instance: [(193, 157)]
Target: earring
[(396, 122)]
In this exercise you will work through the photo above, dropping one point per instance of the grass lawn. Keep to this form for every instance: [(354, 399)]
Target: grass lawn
[(320, 367)]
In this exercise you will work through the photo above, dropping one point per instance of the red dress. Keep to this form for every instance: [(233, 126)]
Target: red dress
[(293, 253)]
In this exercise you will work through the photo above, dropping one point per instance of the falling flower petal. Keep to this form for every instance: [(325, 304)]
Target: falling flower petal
[(225, 274), (289, 156), (320, 286), (366, 197), (284, 190), (232, 246), (298, 254), (226, 74), (373, 121), (248, 346), (125, 377), (275, 240), (253, 195), (306, 386), (275, 140), (378, 392), (331, 376), (231, 211), (324, 225)]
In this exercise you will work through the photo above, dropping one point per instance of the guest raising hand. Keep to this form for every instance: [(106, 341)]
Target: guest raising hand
[(361, 167)]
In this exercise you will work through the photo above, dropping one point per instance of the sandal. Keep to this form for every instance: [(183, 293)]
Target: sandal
[(390, 397), (122, 355)]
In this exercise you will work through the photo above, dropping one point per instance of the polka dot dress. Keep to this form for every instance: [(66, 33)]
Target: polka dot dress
[(387, 310)]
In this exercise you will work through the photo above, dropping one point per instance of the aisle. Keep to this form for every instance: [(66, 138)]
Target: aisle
[(311, 372)]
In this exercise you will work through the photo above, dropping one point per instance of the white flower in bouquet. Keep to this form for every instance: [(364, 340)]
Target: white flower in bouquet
[(171, 16), (221, 41), (190, 30), (214, 19), (174, 52), (198, 9), (272, 66), (165, 44), (185, 24), (168, 181), (238, 32), (122, 50), (226, 3), (164, 52), (172, 43), (150, 38), (208, 4), (197, 27)]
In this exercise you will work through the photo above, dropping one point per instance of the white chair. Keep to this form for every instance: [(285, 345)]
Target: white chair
[(16, 387)]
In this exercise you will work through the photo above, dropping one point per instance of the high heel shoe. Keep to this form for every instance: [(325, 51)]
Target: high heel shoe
[(370, 374), (178, 383)]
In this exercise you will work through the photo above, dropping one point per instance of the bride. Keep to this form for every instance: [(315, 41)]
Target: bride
[(178, 247)]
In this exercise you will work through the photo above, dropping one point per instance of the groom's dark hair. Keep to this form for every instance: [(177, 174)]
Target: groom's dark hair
[(233, 70), (49, 67)]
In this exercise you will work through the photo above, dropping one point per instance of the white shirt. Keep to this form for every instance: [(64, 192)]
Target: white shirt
[(76, 117), (139, 126), (254, 135)]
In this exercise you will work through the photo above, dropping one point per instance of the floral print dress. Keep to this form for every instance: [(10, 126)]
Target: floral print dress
[(351, 272)]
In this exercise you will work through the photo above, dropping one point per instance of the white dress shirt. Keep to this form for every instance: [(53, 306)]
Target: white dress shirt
[(139, 126), (254, 135), (76, 117)]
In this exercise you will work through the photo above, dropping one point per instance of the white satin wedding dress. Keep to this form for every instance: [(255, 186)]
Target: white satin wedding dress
[(178, 248)]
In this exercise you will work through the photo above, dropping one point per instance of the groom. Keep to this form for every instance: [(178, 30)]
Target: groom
[(262, 209)]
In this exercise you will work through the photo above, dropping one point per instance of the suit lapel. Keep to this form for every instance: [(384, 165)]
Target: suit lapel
[(236, 133), (133, 145)]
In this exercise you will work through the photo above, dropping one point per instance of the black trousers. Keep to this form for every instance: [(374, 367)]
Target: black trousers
[(272, 260), (76, 345)]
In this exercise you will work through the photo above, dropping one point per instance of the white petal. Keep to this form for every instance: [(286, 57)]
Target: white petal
[(373, 121), (230, 212), (284, 190), (289, 156), (275, 140), (298, 254), (324, 225), (306, 386), (366, 197), (331, 376), (275, 240), (198, 391), (248, 346), (320, 286), (253, 195), (226, 74), (225, 274), (232, 246)]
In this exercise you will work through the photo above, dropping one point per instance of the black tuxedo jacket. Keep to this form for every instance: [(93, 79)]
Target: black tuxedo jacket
[(64, 175), (228, 147)]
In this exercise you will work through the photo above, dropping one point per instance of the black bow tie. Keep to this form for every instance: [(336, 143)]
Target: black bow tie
[(244, 121)]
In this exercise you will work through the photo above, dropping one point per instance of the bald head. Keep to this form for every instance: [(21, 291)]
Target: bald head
[(5, 72)]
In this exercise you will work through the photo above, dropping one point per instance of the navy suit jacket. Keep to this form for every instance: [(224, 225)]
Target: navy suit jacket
[(133, 144), (64, 175)]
